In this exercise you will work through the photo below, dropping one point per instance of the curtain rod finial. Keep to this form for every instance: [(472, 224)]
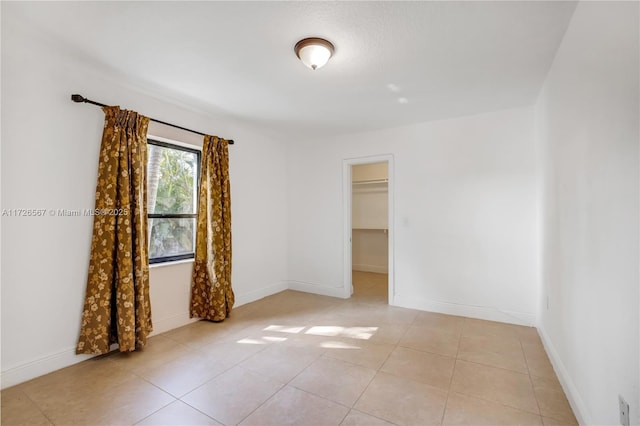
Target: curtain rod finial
[(78, 98)]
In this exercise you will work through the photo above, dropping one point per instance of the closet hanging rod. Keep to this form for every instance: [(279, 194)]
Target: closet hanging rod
[(81, 99), (370, 181)]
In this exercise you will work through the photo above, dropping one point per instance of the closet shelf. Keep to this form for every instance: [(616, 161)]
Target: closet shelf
[(370, 229), (371, 182)]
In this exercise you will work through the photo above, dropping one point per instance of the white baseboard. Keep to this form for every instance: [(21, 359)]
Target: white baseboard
[(479, 312), (577, 404), (371, 268), (316, 289), (39, 367), (252, 296)]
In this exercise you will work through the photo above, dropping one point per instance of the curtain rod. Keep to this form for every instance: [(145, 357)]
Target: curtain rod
[(80, 98)]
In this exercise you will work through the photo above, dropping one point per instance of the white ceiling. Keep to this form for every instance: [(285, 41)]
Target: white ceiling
[(446, 59)]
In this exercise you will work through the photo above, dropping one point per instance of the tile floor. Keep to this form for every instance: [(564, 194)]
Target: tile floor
[(296, 358)]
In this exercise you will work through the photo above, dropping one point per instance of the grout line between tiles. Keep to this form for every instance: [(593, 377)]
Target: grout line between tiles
[(462, 392), (511, 407), (263, 403), (453, 371), (345, 416), (38, 407), (533, 389), (493, 366), (160, 389), (200, 411), (151, 414), (371, 415), (371, 380)]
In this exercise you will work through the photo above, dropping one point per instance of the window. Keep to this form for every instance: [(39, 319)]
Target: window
[(173, 173)]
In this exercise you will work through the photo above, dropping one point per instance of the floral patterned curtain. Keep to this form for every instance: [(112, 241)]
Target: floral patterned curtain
[(211, 293), (117, 307)]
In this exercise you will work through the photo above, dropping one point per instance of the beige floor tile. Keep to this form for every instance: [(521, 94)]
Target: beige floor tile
[(390, 315), (493, 351), (255, 333), (389, 333), (363, 353), (184, 374), (467, 410), (17, 409), (431, 369), (551, 399), (372, 314), (494, 384), (357, 418), (233, 353), (344, 326), (538, 362), (283, 330), (427, 339), (178, 414), (200, 333), (477, 327), (547, 421), (158, 351), (281, 362), (278, 316), (203, 332), (320, 344), (370, 284), (372, 297), (440, 322), (403, 402), (233, 395), (298, 303), (97, 392), (370, 287), (529, 335), (98, 372), (336, 380), (530, 338), (292, 406)]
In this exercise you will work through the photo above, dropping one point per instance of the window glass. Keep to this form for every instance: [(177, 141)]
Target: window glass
[(172, 194)]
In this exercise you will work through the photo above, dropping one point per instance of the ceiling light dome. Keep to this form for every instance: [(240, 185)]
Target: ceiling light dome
[(314, 52)]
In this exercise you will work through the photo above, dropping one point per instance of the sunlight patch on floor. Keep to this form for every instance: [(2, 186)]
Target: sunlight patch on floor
[(359, 333), (338, 345), (363, 333), (284, 328), (262, 341)]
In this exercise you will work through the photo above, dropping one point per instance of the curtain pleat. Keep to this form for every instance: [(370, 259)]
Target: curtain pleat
[(117, 307), (212, 297)]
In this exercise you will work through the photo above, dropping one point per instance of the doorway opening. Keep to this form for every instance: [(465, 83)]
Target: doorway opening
[(368, 218)]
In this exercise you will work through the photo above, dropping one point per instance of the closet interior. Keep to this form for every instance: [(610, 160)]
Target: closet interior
[(370, 230)]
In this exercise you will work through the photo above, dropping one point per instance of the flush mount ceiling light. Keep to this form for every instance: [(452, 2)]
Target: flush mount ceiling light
[(314, 52)]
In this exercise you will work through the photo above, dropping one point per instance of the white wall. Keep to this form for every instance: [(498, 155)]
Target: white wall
[(49, 160), (587, 123), (465, 214)]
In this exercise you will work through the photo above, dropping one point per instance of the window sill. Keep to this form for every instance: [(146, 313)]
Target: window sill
[(171, 263)]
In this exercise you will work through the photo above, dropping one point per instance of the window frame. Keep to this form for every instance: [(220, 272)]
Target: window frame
[(198, 153)]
